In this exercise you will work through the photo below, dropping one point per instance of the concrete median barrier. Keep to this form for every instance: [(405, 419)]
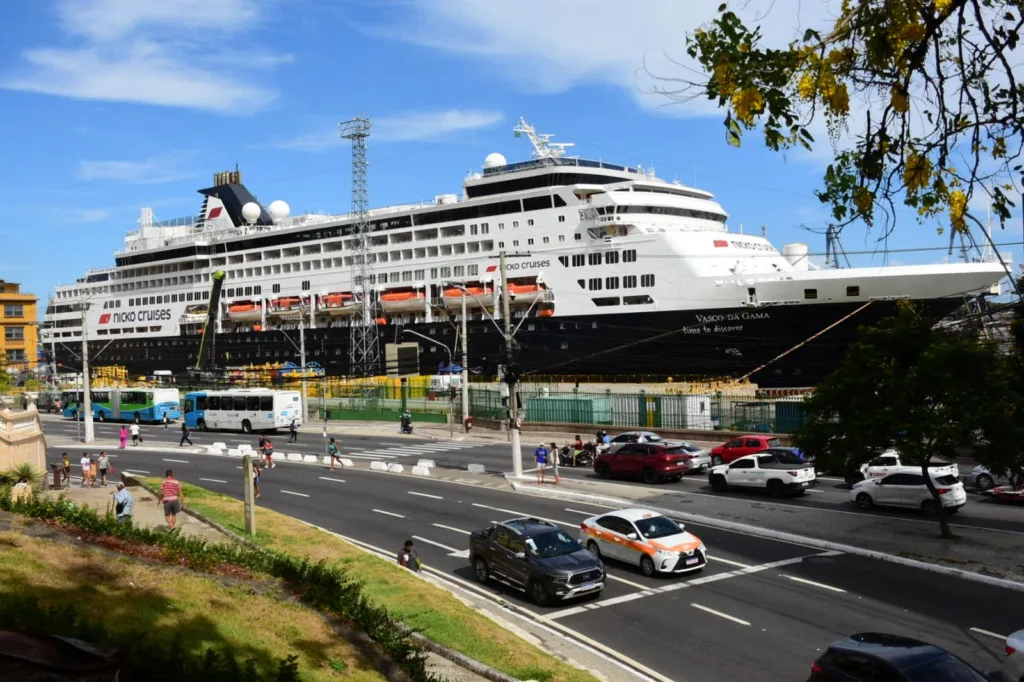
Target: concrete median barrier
[(418, 470), (396, 468), (476, 468), (426, 463), (309, 459), (293, 457), (377, 465)]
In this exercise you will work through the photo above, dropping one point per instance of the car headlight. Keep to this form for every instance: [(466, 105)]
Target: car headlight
[(560, 579)]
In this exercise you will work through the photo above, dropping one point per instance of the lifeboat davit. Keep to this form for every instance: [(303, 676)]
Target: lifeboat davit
[(405, 300), (246, 311), (476, 295), (341, 303), (288, 307), (527, 290)]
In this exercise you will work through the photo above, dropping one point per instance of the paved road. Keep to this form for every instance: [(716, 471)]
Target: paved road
[(761, 610)]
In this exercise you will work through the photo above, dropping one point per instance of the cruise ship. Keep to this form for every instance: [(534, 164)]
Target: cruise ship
[(612, 271)]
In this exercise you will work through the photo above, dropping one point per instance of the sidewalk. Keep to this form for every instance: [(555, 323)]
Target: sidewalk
[(147, 513)]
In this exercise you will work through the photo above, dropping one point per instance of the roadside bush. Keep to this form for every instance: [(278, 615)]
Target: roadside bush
[(22, 471), (139, 656), (323, 587)]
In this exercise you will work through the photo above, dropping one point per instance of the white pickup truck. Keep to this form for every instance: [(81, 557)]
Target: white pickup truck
[(889, 462), (779, 474)]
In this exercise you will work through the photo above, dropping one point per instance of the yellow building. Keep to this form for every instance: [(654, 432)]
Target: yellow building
[(19, 344)]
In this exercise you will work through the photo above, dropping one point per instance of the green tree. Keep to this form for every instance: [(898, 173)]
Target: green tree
[(943, 115), (1002, 448), (907, 386)]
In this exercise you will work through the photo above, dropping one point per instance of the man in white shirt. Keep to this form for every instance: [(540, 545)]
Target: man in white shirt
[(86, 464), (135, 434)]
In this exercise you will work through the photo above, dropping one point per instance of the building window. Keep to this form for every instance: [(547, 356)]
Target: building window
[(418, 275), (810, 294), (305, 285), (594, 284), (473, 229), (515, 223), (485, 228), (561, 237), (637, 300), (515, 242), (530, 222), (14, 333), (248, 291), (611, 258), (546, 240), (501, 245), (594, 259), (14, 310), (433, 273), (473, 270), (501, 226), (564, 345), (529, 242), (561, 218), (577, 260), (647, 280), (407, 275), (382, 278), (256, 290), (577, 236), (446, 273), (629, 282), (276, 288), (16, 355), (629, 256), (606, 301), (459, 271), (853, 291), (611, 282)]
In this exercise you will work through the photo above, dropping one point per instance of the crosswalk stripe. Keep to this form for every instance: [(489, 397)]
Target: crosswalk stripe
[(371, 455)]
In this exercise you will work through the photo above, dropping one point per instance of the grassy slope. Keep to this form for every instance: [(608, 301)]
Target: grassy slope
[(126, 596), (433, 611)]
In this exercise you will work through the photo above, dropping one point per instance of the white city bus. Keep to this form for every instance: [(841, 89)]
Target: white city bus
[(243, 409)]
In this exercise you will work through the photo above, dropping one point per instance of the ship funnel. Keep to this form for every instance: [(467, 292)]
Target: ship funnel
[(797, 255)]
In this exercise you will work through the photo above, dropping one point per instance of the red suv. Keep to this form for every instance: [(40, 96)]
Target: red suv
[(744, 445), (648, 461)]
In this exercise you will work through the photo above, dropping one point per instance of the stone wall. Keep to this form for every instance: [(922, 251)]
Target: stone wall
[(22, 440)]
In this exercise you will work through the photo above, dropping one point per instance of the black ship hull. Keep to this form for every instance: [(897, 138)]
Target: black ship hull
[(735, 342)]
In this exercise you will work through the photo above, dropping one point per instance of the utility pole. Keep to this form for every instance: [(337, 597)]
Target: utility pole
[(510, 376), (86, 383), (465, 356), (302, 359), (249, 496)]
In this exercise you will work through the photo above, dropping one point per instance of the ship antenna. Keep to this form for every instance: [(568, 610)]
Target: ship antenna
[(543, 147)]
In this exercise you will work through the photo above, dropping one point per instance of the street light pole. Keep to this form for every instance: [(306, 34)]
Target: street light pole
[(451, 405), (302, 359), (510, 377), (465, 356), (86, 383)]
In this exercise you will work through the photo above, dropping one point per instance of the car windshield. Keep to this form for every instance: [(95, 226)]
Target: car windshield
[(946, 480), (946, 668), (555, 543), (686, 447), (658, 527), (652, 437)]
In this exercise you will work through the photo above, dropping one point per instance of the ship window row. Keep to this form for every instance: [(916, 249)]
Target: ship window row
[(112, 304), (673, 191), (662, 210), (606, 257), (604, 301)]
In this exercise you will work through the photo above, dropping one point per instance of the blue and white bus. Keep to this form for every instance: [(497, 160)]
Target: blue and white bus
[(243, 409), (126, 404)]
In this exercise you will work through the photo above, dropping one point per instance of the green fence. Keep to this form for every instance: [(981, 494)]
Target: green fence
[(705, 412)]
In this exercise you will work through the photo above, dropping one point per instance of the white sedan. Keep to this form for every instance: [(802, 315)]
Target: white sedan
[(908, 489), (643, 538)]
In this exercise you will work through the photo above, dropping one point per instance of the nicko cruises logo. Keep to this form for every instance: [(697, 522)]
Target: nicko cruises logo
[(152, 315)]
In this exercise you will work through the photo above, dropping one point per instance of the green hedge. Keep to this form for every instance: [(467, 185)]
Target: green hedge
[(321, 586)]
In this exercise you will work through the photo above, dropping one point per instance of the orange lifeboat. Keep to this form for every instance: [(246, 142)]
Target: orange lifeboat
[(288, 306), (245, 311), (339, 303), (526, 291), (476, 295), (403, 300)]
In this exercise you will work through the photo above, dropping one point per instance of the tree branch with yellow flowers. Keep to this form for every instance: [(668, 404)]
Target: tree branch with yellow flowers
[(939, 116)]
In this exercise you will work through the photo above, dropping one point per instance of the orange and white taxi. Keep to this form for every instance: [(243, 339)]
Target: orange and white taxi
[(641, 537)]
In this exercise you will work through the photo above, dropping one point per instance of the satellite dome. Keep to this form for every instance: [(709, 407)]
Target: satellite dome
[(494, 160), (251, 212), (279, 210)]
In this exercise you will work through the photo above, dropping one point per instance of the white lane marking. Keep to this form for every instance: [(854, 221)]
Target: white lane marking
[(720, 614), (179, 461), (623, 580), (289, 492), (371, 455), (435, 544), (986, 632), (135, 471), (212, 480), (617, 600), (433, 497), (336, 480), (811, 582), (387, 513), (238, 467), (729, 561), (451, 528), (577, 511), (522, 514)]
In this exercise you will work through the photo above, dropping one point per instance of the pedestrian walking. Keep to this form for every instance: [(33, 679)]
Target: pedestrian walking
[(94, 471), (332, 450), (553, 452), (407, 558), (103, 464), (261, 445), (165, 420), (256, 478), (171, 497), (124, 436), (268, 451), (541, 455), (136, 436), (124, 504), (65, 465), (86, 465), (185, 433), (293, 433)]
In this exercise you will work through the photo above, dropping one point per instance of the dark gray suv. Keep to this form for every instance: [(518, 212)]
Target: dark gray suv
[(537, 557)]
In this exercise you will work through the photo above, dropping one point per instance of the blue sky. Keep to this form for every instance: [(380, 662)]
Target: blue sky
[(112, 105)]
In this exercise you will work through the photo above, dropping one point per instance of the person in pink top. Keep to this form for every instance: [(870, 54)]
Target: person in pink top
[(172, 497), (124, 436)]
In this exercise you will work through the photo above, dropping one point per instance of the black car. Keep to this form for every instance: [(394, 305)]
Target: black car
[(537, 557), (874, 657)]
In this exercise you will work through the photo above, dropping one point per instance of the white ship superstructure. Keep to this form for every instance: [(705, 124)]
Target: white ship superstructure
[(602, 240)]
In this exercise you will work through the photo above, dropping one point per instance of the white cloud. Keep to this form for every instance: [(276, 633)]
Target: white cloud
[(410, 127), (131, 51), (91, 215), (152, 171)]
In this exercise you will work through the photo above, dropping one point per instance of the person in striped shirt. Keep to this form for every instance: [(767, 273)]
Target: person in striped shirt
[(172, 497)]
